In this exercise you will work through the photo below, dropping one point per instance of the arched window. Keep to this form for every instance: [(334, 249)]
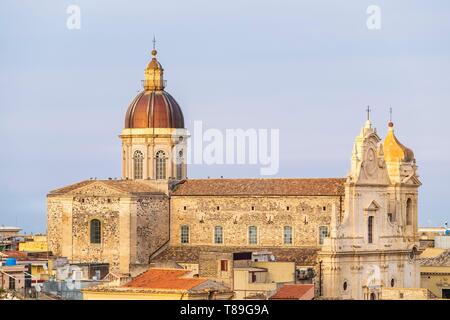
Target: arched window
[(96, 231), (287, 235), (138, 164), (184, 234), (323, 233), (180, 165), (409, 212), (370, 230), (252, 235), (218, 235), (160, 165)]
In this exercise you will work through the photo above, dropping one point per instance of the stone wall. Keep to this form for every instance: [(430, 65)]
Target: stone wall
[(54, 225), (132, 228), (235, 214), (209, 267), (105, 209), (152, 226)]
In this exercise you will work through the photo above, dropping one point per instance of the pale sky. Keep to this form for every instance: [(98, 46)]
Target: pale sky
[(308, 68)]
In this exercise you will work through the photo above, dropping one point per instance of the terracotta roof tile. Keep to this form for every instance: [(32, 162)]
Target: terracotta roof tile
[(441, 260), (165, 279), (190, 254), (19, 255), (281, 187), (125, 186), (292, 291)]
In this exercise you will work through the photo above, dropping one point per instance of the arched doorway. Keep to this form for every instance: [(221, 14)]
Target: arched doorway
[(373, 296)]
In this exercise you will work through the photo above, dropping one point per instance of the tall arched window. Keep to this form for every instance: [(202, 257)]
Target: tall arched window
[(160, 165), (409, 212), (96, 231), (180, 165), (184, 234), (370, 230), (323, 233), (252, 235), (287, 235), (138, 164), (218, 235)]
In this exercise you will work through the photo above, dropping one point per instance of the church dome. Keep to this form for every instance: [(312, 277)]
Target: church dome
[(394, 151), (154, 107)]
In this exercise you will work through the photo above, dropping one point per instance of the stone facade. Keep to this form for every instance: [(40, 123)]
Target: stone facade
[(358, 232), (305, 214), (210, 266), (149, 142), (133, 224), (374, 244)]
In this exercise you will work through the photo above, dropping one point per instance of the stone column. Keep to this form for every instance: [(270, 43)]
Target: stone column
[(125, 234), (66, 228)]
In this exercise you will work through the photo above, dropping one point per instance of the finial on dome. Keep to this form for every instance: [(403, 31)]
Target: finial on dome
[(154, 52), (390, 123), (154, 72)]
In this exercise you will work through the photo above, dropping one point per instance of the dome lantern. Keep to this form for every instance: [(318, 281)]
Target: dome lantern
[(154, 79)]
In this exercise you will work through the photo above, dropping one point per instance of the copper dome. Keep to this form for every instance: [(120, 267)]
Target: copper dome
[(154, 109)]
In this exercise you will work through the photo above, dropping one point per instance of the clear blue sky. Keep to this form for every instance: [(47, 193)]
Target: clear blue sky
[(308, 68)]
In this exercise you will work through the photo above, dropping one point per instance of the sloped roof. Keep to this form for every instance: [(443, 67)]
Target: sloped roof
[(18, 255), (442, 260), (121, 186), (292, 291), (265, 187), (155, 278), (191, 254), (431, 253)]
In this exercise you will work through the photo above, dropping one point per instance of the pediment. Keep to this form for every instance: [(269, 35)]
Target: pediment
[(373, 206), (97, 188), (412, 180)]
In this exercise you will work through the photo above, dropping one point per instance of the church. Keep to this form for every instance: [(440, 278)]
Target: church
[(358, 231)]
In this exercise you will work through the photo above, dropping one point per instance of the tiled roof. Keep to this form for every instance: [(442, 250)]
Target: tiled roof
[(190, 254), (19, 255), (442, 260), (292, 291), (165, 279), (279, 187), (125, 186)]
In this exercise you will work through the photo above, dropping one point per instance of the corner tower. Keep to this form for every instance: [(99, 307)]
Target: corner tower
[(154, 137)]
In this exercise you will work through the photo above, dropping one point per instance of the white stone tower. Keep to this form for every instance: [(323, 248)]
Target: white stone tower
[(374, 243)]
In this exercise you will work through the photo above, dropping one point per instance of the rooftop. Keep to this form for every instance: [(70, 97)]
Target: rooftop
[(159, 278), (436, 259), (121, 186), (266, 187), (292, 291), (190, 254)]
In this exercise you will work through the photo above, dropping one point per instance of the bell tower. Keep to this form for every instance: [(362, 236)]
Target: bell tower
[(372, 245)]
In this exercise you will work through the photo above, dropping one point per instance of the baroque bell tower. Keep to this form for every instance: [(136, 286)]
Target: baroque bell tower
[(374, 243)]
